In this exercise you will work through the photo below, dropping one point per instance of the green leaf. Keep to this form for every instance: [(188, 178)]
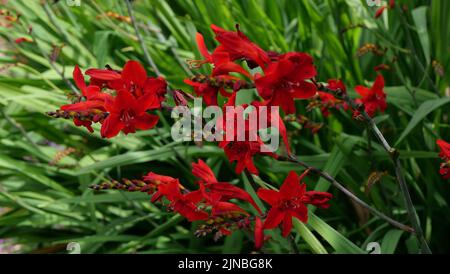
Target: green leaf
[(390, 241), (338, 241), (309, 237), (424, 109)]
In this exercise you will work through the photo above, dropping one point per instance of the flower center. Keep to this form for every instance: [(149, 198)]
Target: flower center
[(292, 203), (127, 116)]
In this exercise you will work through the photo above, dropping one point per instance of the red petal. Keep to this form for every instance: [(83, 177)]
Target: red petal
[(291, 186), (269, 196), (103, 74), (111, 126), (259, 233), (123, 100), (304, 90), (363, 91), (134, 72), (202, 47), (221, 208), (79, 79), (301, 213), (202, 171), (146, 121), (228, 67), (146, 102), (274, 218), (378, 85), (83, 106), (287, 224)]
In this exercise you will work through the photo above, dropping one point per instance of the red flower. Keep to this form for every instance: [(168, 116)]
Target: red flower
[(373, 98), (221, 191), (128, 113), (290, 202), (236, 150), (445, 156), (284, 80), (335, 84), (185, 204), (238, 46), (242, 152), (94, 100), (133, 78)]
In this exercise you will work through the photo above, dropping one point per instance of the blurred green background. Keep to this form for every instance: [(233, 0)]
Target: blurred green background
[(46, 165)]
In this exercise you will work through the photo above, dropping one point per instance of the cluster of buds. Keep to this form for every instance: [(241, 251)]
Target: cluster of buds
[(369, 47), (305, 122), (94, 115), (7, 19), (222, 82), (115, 16), (134, 185), (223, 226)]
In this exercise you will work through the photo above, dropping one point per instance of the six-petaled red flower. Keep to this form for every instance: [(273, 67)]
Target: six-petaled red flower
[(285, 80), (290, 202), (373, 98)]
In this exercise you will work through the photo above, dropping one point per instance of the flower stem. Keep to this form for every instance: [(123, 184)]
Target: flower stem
[(139, 37), (394, 154)]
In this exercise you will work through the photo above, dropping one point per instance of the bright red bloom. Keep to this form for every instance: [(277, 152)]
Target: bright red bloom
[(127, 113), (237, 150), (445, 149), (220, 191), (374, 98), (290, 202), (337, 84), (238, 46), (284, 80), (133, 78), (445, 156), (242, 152), (94, 100), (223, 65), (185, 204)]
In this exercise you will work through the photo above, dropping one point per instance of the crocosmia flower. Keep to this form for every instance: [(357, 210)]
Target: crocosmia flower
[(373, 98), (128, 113), (290, 202), (285, 80)]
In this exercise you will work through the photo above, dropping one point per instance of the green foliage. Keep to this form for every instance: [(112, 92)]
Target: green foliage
[(46, 165)]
